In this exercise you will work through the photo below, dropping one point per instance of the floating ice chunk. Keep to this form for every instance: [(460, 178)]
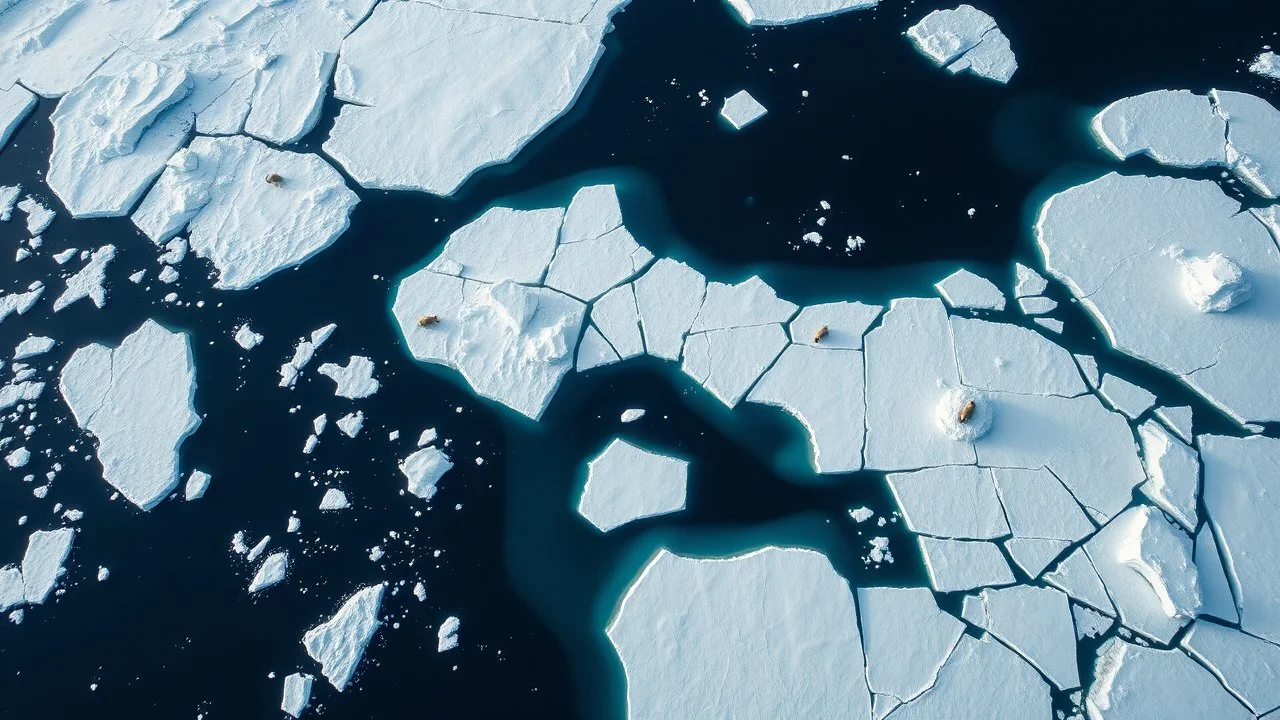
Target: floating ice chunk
[(18, 458), (447, 635), (334, 499), (626, 483), (351, 423), (910, 365), (1248, 667), (1139, 683), (845, 322), (20, 303), (137, 399), (728, 362), (420, 592), (668, 298), (964, 415), (167, 275), (1267, 64), (593, 213), (512, 343), (965, 39), (1050, 324), (338, 644), (1145, 564), (175, 251), (113, 134), (247, 338), (1078, 578), (1239, 481), (1126, 397), (427, 437), (786, 12), (272, 572), (32, 346), (1036, 305), (1039, 507), (257, 550), (39, 217), (861, 514), (294, 525), (248, 227), (632, 414), (1033, 555), (1131, 282), (1252, 152), (1036, 622), (1173, 471), (1177, 419), (88, 281), (957, 501), (197, 485), (502, 244), (781, 618), (981, 679), (423, 470), (1174, 127), (1089, 624), (907, 639), (1214, 283), (964, 290), (957, 565), (47, 550), (62, 258), (741, 109), (297, 694), (1029, 282), (12, 591), (1008, 358), (595, 252), (15, 104), (354, 381), (15, 393), (824, 389), (618, 318), (750, 302), (1215, 592), (493, 82), (8, 199), (302, 354)]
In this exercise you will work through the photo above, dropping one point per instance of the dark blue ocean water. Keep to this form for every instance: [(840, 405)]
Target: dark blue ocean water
[(173, 634)]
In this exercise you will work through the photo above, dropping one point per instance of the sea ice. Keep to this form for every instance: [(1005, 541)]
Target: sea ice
[(1008, 358), (594, 254), (334, 499), (964, 290), (423, 470), (247, 338), (39, 217), (773, 633), (491, 81), (1267, 64), (1239, 487), (1248, 667), (906, 638), (137, 399), (982, 679), (47, 550), (447, 634), (88, 281), (18, 458), (957, 565), (12, 591), (297, 694), (302, 354), (626, 483), (741, 109), (247, 226), (1039, 507), (8, 199), (1037, 623), (503, 244), (1090, 624), (1252, 152), (617, 317), (845, 322), (594, 351), (351, 423), (15, 104), (197, 485), (965, 39), (957, 501), (1029, 283), (354, 381), (785, 12), (32, 346), (1215, 283), (1139, 683), (729, 361), (632, 414), (272, 571), (1078, 578), (1036, 305), (1174, 127), (668, 297), (1173, 471), (1215, 591), (338, 644)]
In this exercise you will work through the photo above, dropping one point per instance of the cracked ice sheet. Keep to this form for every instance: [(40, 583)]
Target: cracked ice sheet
[(512, 343), (1253, 151), (668, 298), (589, 268), (824, 389), (907, 639), (1125, 396), (1239, 497), (965, 39), (1037, 623), (1173, 469), (1109, 240), (1039, 507), (956, 565), (846, 324), (618, 318), (773, 633), (957, 502), (469, 91), (248, 228), (964, 290), (786, 12), (728, 362), (503, 244), (1247, 666), (1216, 597), (626, 483), (138, 400), (1137, 683), (1008, 358), (15, 104), (982, 679), (1174, 127)]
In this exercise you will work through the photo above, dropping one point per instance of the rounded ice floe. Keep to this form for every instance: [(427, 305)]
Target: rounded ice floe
[(964, 414), (626, 483), (785, 12), (1214, 283), (469, 91), (770, 634), (137, 399)]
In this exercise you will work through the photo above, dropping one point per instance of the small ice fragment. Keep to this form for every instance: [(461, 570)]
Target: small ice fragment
[(420, 592), (965, 290), (626, 483), (167, 275), (297, 694), (447, 635), (247, 338), (89, 281), (334, 499), (861, 514), (197, 485), (812, 238), (1125, 396), (427, 437), (38, 216), (339, 643), (272, 571), (423, 469), (103, 574), (257, 550), (32, 346), (47, 550), (351, 423), (1267, 64), (355, 380), (18, 458), (741, 109), (62, 258), (1029, 282), (632, 414), (294, 525)]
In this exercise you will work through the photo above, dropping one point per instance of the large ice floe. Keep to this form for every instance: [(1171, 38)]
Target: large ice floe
[(965, 39), (137, 399)]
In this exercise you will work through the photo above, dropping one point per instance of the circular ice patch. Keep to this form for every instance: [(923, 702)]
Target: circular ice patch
[(953, 403)]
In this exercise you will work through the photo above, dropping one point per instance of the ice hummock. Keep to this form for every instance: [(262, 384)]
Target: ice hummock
[(137, 399)]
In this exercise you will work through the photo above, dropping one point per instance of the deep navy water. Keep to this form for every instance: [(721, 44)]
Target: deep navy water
[(173, 633)]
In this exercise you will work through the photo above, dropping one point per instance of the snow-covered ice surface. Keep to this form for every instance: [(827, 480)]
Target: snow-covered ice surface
[(965, 39), (354, 380), (338, 643), (15, 104), (297, 694), (1137, 683), (785, 12), (423, 470), (138, 400), (964, 290), (627, 483), (739, 641)]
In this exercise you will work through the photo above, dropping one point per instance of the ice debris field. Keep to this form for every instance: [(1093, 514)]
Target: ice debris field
[(1056, 507)]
